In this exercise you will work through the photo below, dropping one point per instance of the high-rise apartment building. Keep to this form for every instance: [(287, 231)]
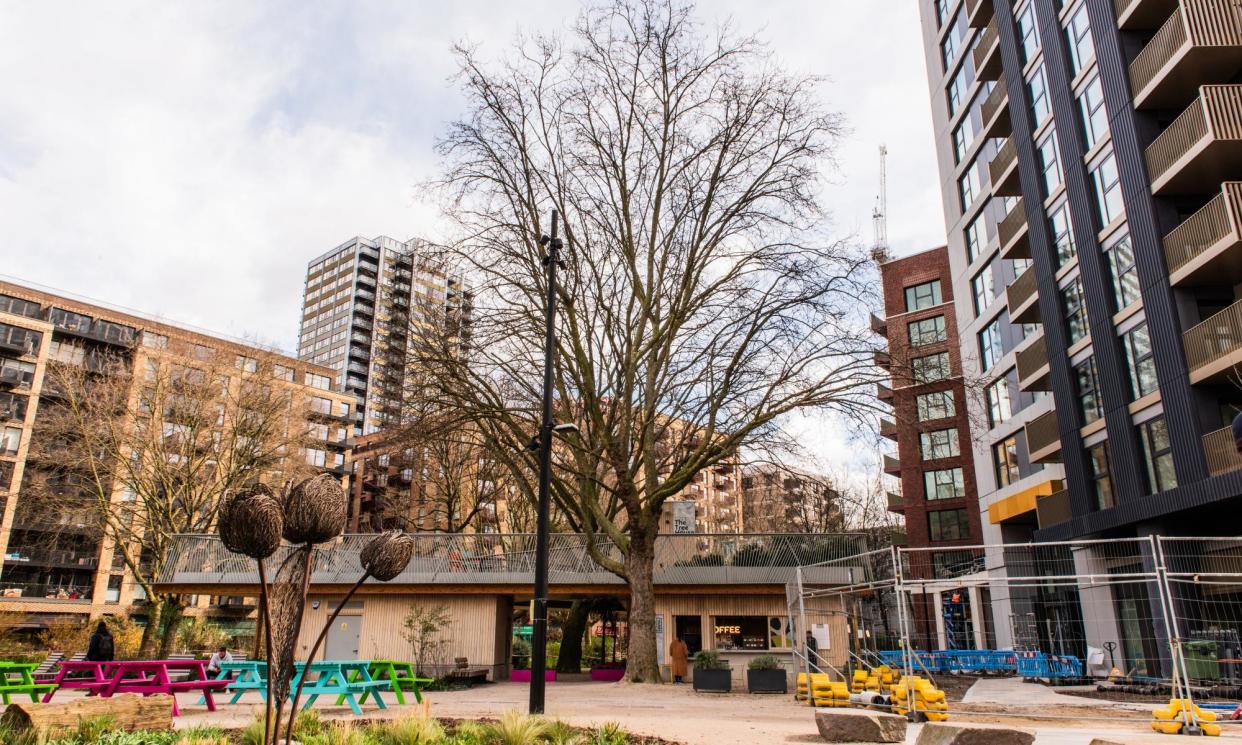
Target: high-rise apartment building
[(1089, 158), (57, 560), (362, 301), (779, 499)]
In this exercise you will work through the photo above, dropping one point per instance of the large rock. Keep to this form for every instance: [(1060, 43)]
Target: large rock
[(845, 725), (938, 733)]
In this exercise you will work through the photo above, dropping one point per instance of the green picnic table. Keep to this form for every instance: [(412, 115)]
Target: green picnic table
[(18, 677), (399, 674)]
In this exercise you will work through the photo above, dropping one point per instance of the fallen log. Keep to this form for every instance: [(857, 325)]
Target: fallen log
[(128, 711)]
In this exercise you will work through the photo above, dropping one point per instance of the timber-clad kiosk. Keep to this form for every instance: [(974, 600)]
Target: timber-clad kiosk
[(724, 592)]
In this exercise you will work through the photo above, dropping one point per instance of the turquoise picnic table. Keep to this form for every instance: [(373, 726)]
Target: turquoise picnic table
[(345, 679), (401, 677)]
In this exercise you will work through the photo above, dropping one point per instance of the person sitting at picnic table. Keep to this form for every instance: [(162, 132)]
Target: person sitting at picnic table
[(100, 648), (221, 655)]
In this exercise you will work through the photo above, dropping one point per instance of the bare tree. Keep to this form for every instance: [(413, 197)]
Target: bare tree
[(152, 442), (702, 303)]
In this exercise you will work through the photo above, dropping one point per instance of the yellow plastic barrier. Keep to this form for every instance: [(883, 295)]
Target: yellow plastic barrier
[(921, 695), (1171, 718), (859, 681)]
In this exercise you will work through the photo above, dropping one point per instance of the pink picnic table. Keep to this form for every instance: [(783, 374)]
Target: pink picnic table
[(145, 677)]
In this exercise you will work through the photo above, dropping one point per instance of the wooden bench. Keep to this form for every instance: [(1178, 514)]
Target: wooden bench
[(463, 673), (46, 668)]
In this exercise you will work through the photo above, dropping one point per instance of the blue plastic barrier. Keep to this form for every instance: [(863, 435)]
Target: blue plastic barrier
[(1026, 664)]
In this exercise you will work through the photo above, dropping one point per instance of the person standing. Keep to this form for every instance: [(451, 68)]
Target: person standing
[(812, 652), (101, 647), (679, 654)]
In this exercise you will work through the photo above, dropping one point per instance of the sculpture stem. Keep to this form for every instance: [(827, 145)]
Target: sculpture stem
[(319, 641), (266, 617)]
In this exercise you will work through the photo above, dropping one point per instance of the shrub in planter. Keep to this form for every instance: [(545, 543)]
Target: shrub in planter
[(711, 673), (764, 674)]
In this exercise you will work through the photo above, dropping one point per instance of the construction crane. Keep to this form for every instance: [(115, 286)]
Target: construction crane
[(879, 215)]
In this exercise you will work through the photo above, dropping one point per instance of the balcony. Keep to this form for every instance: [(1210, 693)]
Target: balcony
[(892, 466), (883, 359), (896, 503), (1053, 509), (1214, 347), (979, 13), (987, 54), (1203, 250), (883, 392), (1003, 171), (1200, 43), (1222, 455), (1043, 439), (1013, 234), (994, 112), (1142, 14), (879, 325), (1202, 147), (1022, 298), (1032, 365), (888, 428)]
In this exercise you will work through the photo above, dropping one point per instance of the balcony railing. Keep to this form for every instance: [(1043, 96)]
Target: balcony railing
[(994, 112), (979, 12), (1142, 14), (1202, 147), (883, 392), (26, 591), (1003, 171), (1043, 438), (896, 503), (1021, 298), (1200, 43), (879, 325), (1012, 232), (1053, 509), (891, 465), (987, 54), (1222, 455), (1214, 346), (1204, 248), (888, 428), (477, 559)]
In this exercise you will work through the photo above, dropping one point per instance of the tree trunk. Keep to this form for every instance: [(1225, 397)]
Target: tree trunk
[(150, 632), (641, 663), (171, 614), (570, 659)]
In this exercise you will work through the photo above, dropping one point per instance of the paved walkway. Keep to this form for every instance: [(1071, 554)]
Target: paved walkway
[(678, 713)]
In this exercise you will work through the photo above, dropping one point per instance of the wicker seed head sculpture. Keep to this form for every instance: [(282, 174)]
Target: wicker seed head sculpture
[(387, 555), (315, 510), (251, 523)]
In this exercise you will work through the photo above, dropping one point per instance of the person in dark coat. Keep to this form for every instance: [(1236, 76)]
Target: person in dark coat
[(100, 648), (812, 652)]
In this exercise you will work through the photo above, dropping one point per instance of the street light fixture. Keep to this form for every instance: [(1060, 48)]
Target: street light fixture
[(539, 621)]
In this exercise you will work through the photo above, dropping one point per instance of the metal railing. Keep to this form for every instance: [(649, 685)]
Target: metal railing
[(1053, 509), (1222, 455), (1021, 290), (987, 47), (1042, 434), (1214, 338), (1196, 23), (1031, 359), (1013, 225), (1215, 221), (1005, 157), (509, 558), (1149, 62), (994, 103), (979, 12), (1216, 112), (42, 591), (891, 464)]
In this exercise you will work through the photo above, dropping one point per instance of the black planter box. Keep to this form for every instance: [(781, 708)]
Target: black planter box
[(767, 681), (713, 680)]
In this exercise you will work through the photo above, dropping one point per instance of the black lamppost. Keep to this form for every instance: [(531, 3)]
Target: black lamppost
[(539, 623)]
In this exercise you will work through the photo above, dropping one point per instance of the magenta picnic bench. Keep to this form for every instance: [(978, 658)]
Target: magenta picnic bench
[(145, 677)]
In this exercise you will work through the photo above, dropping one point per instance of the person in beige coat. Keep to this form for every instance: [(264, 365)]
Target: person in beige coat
[(679, 653)]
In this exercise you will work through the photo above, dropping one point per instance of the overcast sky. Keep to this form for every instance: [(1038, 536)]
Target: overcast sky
[(187, 159)]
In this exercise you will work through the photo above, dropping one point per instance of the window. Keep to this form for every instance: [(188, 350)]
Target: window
[(316, 457), (281, 372), (13, 406), (1107, 188), (6, 474), (1094, 116), (1000, 408), (1005, 461), (940, 443), (947, 483), (952, 42), (20, 372), (968, 186), (1124, 272), (322, 382), (931, 368), (949, 564), (19, 307), (750, 632), (202, 351), (1078, 38), (938, 405), (948, 525), (1075, 309), (927, 331), (926, 295), (1037, 89), (10, 439), (1141, 361), (991, 346), (1049, 163), (957, 88), (1101, 477), (1063, 234), (1028, 33), (983, 289), (319, 405), (19, 340), (1089, 401), (1158, 453), (942, 12), (976, 238), (247, 364)]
